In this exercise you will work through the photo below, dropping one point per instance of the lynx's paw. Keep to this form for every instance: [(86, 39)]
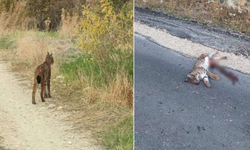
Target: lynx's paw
[(216, 78), (208, 85), (46, 96), (206, 82)]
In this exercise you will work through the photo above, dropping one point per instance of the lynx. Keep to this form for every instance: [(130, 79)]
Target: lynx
[(42, 76), (200, 70)]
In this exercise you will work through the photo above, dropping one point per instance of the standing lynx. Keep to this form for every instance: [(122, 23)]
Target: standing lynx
[(200, 70), (43, 75)]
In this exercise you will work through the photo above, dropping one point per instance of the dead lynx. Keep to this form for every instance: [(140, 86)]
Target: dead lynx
[(200, 70), (43, 75)]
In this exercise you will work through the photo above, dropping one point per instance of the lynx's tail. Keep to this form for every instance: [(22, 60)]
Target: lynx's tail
[(38, 78)]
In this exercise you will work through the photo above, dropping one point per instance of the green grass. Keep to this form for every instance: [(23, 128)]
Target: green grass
[(120, 136), (7, 42), (1, 147), (101, 70), (52, 34), (98, 70), (81, 66)]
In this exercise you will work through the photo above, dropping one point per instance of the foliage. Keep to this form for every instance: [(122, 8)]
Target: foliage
[(40, 10), (105, 39), (106, 26), (95, 62), (108, 37), (99, 73), (6, 42), (120, 134)]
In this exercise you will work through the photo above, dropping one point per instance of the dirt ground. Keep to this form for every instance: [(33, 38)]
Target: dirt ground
[(35, 127)]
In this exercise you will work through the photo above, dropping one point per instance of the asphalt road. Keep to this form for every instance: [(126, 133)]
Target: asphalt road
[(213, 37), (171, 114)]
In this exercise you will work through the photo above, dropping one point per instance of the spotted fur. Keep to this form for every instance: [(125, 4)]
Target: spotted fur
[(43, 76), (200, 70)]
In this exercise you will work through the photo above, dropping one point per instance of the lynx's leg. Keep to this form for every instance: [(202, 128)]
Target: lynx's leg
[(220, 58), (213, 76), (206, 81), (34, 92), (42, 90), (48, 85), (45, 90)]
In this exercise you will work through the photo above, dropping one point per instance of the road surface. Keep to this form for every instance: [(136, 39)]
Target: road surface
[(213, 37), (171, 114)]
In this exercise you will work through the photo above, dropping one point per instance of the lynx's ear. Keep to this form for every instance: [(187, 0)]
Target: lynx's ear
[(47, 53)]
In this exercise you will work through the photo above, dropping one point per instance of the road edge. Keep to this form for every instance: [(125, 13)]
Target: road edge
[(189, 48)]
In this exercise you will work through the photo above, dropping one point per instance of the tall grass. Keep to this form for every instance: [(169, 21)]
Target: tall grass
[(105, 40), (7, 42), (15, 18), (93, 69), (120, 134), (104, 70), (69, 24)]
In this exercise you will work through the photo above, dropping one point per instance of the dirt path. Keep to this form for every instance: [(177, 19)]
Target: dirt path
[(34, 127)]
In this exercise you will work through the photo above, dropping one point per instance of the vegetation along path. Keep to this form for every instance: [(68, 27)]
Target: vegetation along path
[(34, 127)]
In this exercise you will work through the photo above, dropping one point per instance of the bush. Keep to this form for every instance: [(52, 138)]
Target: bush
[(107, 36), (40, 10)]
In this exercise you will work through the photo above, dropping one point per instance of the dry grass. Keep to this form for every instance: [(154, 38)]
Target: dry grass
[(206, 12), (120, 91), (97, 108), (31, 50), (15, 18), (69, 24)]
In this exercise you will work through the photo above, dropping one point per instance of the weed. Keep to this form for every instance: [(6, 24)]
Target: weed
[(1, 147), (7, 42), (120, 136), (83, 65), (52, 34)]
